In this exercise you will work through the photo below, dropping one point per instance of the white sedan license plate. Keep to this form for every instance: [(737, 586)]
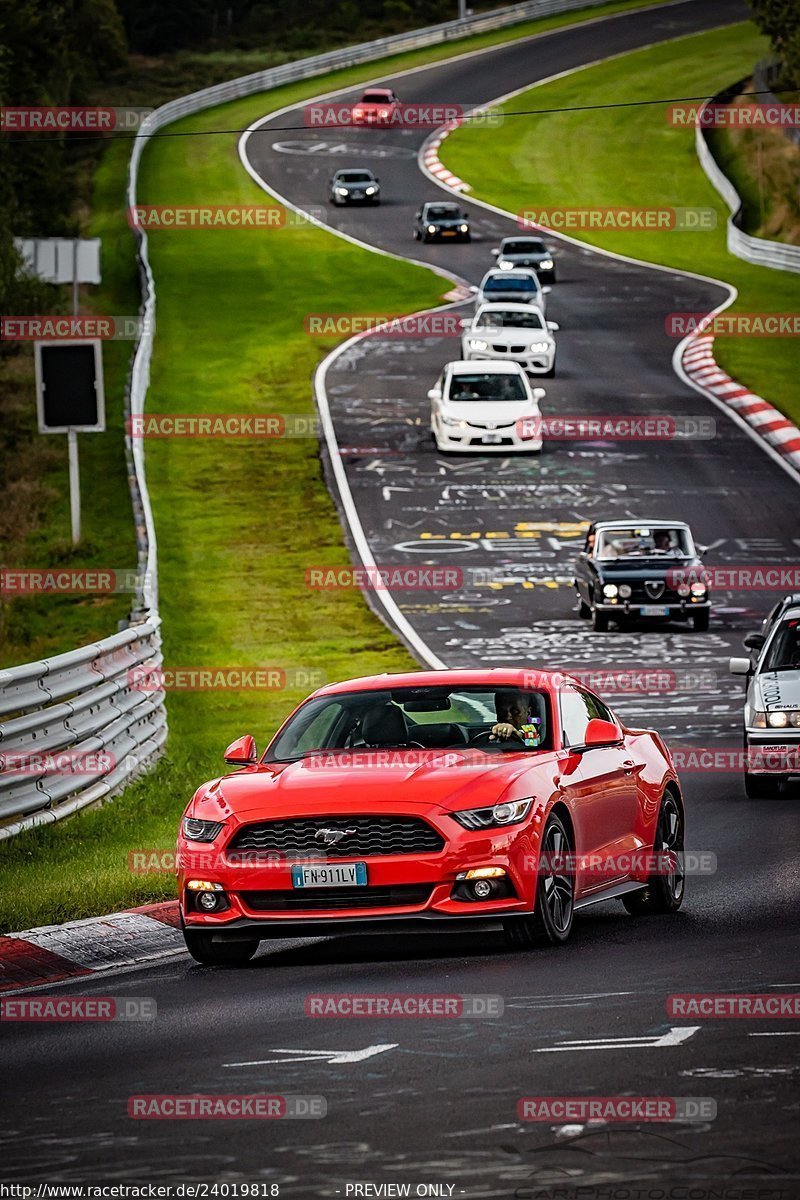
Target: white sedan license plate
[(654, 610), (491, 439), (343, 875)]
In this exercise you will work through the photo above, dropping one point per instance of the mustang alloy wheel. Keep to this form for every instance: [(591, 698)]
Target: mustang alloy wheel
[(664, 891), (551, 922)]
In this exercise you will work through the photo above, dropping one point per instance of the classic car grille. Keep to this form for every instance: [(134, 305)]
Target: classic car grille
[(404, 895), (373, 836)]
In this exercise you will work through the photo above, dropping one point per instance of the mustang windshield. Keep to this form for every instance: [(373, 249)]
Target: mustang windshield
[(491, 386), (415, 718), (644, 542), (784, 653)]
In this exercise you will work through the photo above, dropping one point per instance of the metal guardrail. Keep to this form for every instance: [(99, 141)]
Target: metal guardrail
[(762, 253), (81, 704), (74, 729)]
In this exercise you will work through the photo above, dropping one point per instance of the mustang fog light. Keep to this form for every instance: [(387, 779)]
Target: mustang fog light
[(207, 901), (625, 591), (482, 873), (778, 720), (482, 889), (610, 590)]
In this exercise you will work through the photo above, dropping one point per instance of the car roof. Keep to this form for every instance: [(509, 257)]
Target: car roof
[(347, 170), (636, 521), (380, 91), (515, 273), (441, 204), (508, 306), (486, 366), (491, 678), (523, 237)]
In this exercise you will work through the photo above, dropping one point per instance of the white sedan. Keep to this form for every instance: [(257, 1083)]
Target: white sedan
[(512, 287), (514, 333), (488, 406)]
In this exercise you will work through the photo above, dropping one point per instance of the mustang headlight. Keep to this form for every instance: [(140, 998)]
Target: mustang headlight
[(539, 347), (611, 590), (478, 344), (200, 831), (510, 812)]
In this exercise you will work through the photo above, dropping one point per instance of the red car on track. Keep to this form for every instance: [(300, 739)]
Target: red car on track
[(433, 799), (377, 106)]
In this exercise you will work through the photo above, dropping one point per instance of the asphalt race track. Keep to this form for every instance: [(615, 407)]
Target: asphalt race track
[(435, 1102)]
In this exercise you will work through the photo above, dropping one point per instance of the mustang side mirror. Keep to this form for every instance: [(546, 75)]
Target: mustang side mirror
[(602, 733), (755, 641), (739, 666), (242, 752)]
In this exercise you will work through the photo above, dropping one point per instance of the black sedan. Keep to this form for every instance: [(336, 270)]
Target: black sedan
[(649, 570), (441, 222), (526, 252), (354, 187)]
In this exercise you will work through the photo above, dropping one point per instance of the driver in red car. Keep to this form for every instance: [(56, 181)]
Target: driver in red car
[(515, 719)]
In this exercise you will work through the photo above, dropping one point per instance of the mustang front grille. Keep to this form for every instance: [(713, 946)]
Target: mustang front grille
[(339, 837), (406, 895)]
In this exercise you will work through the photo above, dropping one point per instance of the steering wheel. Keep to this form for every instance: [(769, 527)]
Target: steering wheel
[(490, 738)]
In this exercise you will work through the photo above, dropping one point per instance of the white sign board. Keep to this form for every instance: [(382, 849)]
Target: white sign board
[(61, 260)]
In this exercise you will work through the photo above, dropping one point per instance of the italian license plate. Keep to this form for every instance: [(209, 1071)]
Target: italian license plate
[(491, 439), (324, 875), (654, 610)]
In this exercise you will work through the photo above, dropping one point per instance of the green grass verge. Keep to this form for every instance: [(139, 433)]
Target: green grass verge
[(632, 157), (238, 522)]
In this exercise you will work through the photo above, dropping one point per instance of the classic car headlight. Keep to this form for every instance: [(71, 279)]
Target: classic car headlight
[(464, 228), (546, 264), (478, 344), (370, 191), (200, 831), (539, 347), (699, 589), (625, 590), (683, 590), (505, 265), (508, 813), (341, 191), (610, 590)]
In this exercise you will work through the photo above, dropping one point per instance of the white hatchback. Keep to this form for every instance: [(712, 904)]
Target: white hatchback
[(513, 332), (488, 407)]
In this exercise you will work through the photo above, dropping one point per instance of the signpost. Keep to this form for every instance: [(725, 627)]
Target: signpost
[(69, 374)]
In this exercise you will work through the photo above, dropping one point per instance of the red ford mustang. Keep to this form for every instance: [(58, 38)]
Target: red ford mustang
[(440, 799)]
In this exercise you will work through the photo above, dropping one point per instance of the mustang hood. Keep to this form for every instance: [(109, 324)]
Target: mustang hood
[(371, 782)]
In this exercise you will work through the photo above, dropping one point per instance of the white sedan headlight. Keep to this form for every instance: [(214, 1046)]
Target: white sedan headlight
[(540, 347), (454, 422), (478, 344)]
